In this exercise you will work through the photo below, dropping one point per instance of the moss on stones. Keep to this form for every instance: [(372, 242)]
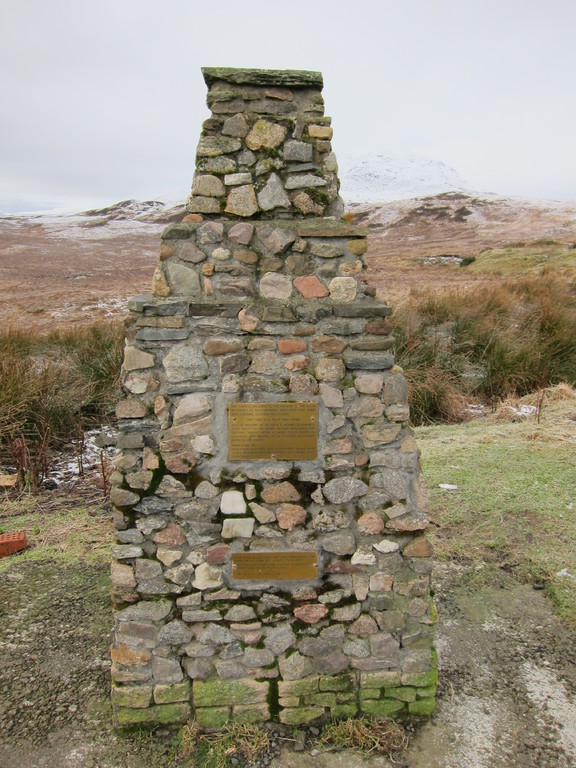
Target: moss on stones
[(339, 683), (403, 693), (421, 679), (300, 715), (382, 707), (342, 711), (161, 714), (212, 717), (290, 78), (213, 693), (259, 713), (170, 694), (301, 687), (131, 697), (422, 706)]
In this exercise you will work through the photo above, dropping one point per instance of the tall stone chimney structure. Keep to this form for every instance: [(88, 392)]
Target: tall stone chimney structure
[(271, 561)]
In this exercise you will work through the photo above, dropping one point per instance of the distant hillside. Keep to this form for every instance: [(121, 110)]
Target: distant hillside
[(64, 268)]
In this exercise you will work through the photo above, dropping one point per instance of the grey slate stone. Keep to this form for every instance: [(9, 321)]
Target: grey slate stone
[(212, 146), (232, 650), (215, 635), (273, 77), (341, 490), (190, 252), (258, 657), (332, 664), (295, 667), (221, 164), (279, 639), (166, 670), (152, 505), (167, 334), (305, 181), (184, 281), (316, 646), (130, 536), (273, 195), (174, 633), (185, 362), (275, 239), (298, 151), (211, 232), (198, 669), (368, 361), (126, 552), (146, 610), (235, 126), (392, 481), (339, 542), (158, 587), (145, 569)]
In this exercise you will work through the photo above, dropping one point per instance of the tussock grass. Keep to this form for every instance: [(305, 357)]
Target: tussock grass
[(366, 735), (497, 341), (53, 387), (241, 742)]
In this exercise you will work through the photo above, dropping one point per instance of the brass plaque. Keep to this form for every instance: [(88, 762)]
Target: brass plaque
[(274, 566), (281, 431)]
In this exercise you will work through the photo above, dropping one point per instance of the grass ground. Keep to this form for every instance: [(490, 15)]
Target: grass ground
[(70, 527), (514, 507), (523, 259)]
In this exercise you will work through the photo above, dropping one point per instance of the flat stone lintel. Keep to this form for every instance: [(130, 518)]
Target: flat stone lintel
[(152, 305), (291, 78), (300, 227), (316, 227), (328, 228)]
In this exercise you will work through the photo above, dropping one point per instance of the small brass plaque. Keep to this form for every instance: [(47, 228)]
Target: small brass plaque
[(281, 431), (274, 566)]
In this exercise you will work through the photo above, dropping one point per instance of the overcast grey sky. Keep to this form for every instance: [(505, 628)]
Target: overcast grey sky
[(101, 101)]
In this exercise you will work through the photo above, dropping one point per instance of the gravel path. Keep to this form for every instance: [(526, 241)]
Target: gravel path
[(507, 698)]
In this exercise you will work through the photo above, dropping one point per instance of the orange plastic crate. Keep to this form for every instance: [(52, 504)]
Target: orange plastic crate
[(12, 542)]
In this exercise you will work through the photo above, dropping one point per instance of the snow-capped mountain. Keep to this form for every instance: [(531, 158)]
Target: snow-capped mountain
[(364, 179), (380, 178)]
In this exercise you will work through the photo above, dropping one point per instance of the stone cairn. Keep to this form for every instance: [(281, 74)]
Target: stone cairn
[(260, 299)]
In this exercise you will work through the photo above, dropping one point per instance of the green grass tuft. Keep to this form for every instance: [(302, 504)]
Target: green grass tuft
[(513, 508)]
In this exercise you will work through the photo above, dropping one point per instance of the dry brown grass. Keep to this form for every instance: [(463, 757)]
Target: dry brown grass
[(366, 735), (243, 742), (500, 341), (52, 388)]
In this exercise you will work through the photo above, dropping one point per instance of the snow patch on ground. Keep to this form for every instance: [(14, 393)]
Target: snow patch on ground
[(548, 693)]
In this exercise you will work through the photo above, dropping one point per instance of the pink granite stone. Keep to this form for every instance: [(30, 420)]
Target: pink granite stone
[(280, 492), (291, 346), (310, 287), (364, 625), (311, 614), (371, 523), (297, 363), (172, 534), (290, 515)]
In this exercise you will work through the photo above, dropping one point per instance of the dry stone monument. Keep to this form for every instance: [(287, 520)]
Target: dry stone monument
[(270, 559)]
